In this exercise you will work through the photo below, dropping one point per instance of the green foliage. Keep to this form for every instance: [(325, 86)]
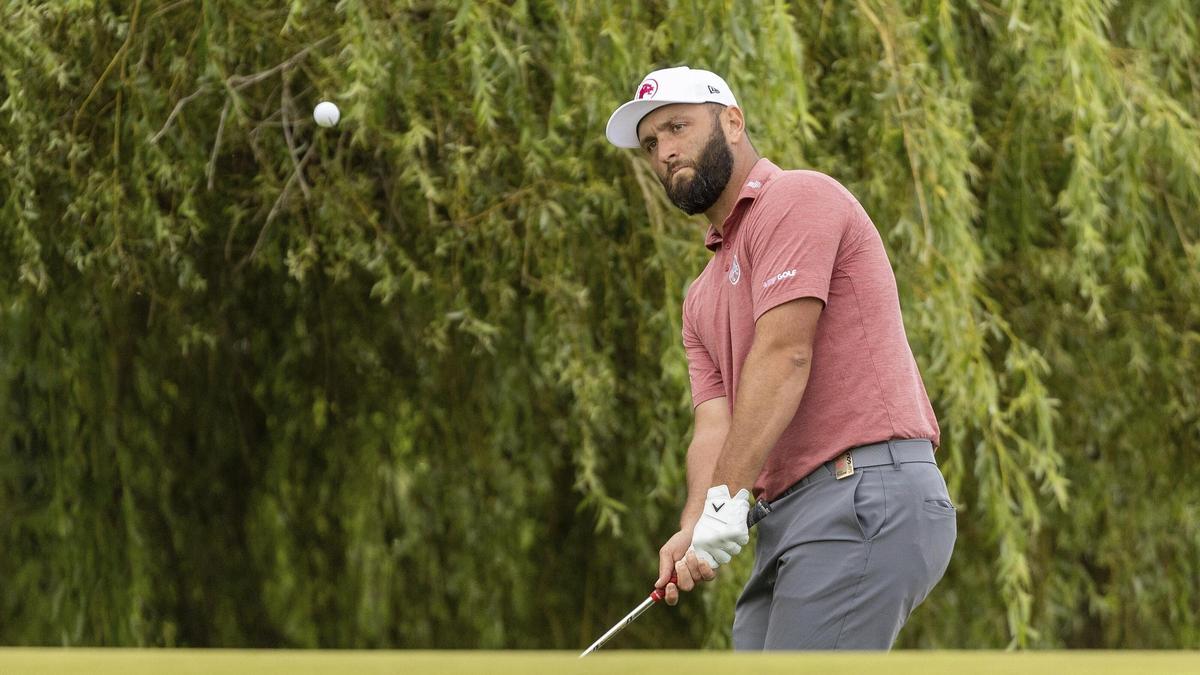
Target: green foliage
[(416, 380)]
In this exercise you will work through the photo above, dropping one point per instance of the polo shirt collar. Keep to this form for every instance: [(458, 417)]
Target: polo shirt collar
[(762, 173)]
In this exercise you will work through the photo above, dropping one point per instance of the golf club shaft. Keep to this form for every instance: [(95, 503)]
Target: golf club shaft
[(637, 611)]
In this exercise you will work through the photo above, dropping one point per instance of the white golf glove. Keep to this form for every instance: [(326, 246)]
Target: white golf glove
[(721, 531)]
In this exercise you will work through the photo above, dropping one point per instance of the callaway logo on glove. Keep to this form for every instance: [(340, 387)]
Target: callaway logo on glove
[(721, 531)]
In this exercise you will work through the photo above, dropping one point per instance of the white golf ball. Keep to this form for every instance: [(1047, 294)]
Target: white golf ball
[(326, 114)]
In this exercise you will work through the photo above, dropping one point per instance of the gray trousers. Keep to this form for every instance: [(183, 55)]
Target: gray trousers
[(841, 564)]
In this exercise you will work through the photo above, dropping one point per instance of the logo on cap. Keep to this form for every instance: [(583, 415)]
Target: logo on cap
[(713, 90), (648, 89)]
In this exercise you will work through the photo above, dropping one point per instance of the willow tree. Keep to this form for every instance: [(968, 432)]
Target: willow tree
[(416, 380)]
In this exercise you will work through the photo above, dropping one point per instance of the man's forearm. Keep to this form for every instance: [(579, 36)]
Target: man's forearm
[(702, 456), (772, 384)]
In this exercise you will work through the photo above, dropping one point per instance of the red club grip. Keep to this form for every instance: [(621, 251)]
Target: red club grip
[(660, 593)]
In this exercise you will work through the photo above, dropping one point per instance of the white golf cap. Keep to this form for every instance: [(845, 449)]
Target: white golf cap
[(664, 87)]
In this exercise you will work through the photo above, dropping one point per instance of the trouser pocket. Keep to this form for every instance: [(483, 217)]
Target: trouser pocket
[(870, 503), (938, 523), (941, 506)]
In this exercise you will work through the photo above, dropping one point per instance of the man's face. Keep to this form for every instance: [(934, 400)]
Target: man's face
[(689, 153)]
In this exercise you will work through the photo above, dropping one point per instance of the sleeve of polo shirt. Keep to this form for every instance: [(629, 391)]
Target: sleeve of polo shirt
[(703, 373), (795, 241)]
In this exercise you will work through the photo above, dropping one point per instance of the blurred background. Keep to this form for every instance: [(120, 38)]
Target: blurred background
[(416, 380)]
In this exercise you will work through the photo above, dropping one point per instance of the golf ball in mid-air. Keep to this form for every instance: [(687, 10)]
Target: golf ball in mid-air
[(326, 114)]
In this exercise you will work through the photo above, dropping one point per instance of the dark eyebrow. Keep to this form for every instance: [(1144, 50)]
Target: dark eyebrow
[(665, 123)]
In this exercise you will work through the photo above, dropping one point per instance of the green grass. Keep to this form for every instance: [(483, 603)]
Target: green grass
[(21, 661)]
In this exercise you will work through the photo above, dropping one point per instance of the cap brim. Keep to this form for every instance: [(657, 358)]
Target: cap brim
[(622, 126)]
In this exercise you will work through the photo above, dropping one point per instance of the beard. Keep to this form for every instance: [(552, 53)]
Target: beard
[(710, 175)]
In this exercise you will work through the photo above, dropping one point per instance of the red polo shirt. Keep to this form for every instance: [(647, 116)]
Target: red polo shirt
[(795, 234)]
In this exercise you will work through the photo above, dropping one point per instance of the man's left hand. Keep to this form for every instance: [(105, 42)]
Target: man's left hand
[(721, 531)]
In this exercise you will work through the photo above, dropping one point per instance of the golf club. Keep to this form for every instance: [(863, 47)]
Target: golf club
[(758, 512)]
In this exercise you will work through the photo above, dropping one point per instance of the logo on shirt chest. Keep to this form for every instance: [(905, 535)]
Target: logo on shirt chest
[(735, 272)]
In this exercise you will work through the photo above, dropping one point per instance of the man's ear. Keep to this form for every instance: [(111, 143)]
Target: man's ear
[(735, 124)]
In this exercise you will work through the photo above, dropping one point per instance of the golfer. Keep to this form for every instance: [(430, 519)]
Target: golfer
[(805, 390)]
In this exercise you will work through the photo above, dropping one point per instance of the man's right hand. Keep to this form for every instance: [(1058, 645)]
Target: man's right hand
[(673, 558)]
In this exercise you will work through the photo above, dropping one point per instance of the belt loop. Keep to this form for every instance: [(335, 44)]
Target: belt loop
[(895, 454)]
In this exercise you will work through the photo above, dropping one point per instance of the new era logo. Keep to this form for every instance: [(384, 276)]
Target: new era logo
[(713, 90)]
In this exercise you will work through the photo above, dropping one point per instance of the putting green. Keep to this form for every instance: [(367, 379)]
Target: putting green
[(22, 661)]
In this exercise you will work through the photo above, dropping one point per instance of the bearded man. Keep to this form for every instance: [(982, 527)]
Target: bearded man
[(804, 387)]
